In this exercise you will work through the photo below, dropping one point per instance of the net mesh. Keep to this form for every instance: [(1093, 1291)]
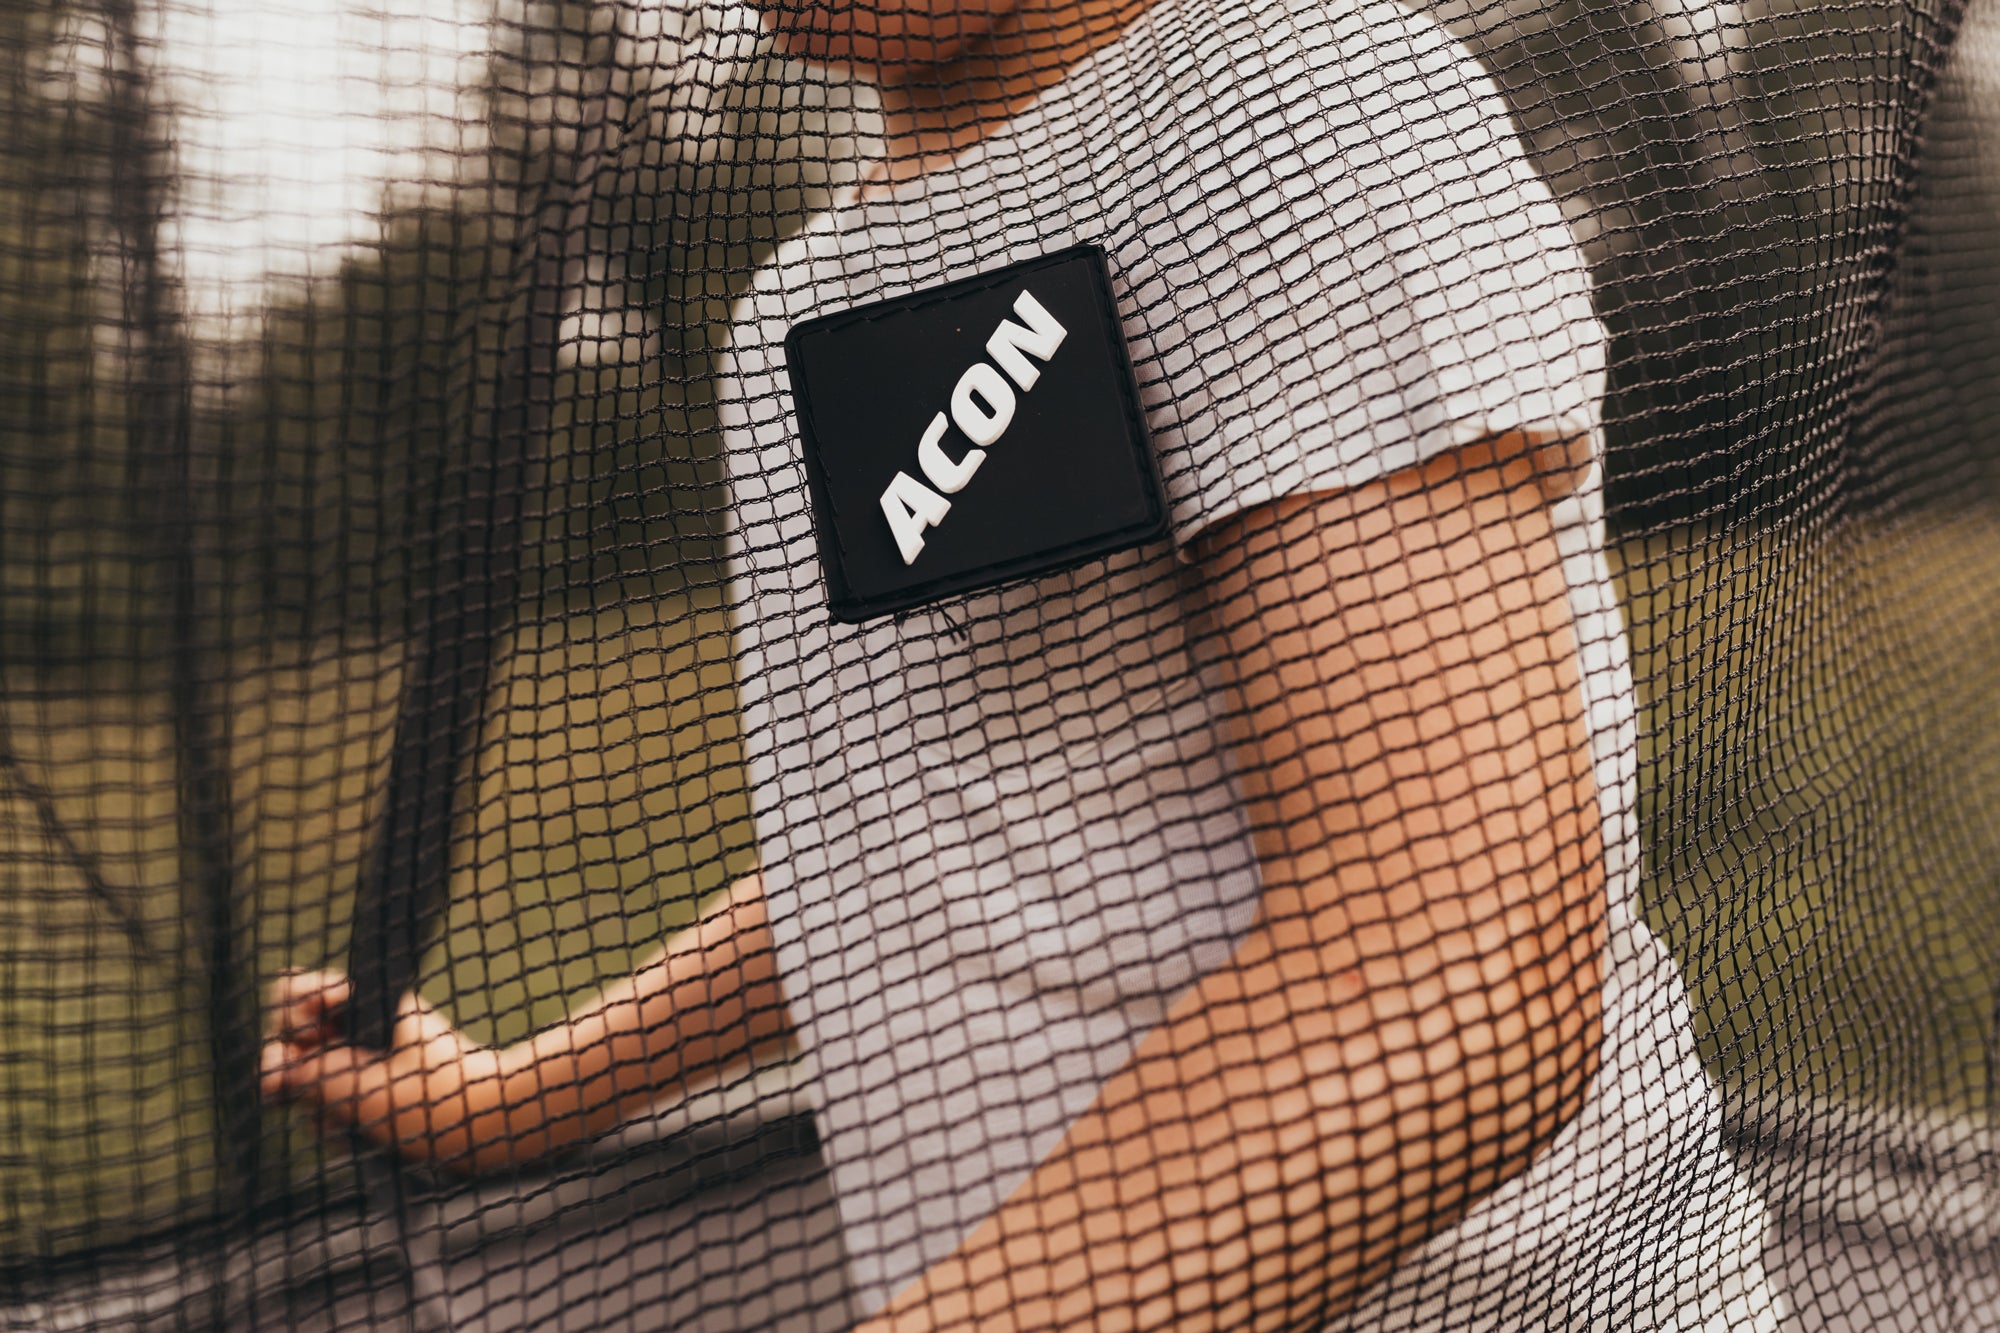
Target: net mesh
[(1508, 848)]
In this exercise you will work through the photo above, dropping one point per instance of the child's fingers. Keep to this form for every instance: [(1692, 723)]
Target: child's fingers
[(412, 1097), (339, 1082), (305, 1005)]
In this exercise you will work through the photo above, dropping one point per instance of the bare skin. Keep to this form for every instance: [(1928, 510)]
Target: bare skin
[(707, 999), (1413, 1015), (1415, 1012)]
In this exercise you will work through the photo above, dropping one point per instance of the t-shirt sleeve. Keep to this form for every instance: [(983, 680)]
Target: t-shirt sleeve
[(1353, 269)]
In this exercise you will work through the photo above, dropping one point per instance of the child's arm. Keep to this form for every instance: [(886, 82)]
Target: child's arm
[(1415, 1012), (709, 997)]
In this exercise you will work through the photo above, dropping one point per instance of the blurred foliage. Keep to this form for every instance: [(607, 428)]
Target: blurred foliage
[(372, 389), (69, 524), (366, 392), (1739, 174), (325, 448)]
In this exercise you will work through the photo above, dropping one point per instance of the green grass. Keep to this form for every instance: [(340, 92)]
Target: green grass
[(610, 803), (1821, 756), (103, 1112)]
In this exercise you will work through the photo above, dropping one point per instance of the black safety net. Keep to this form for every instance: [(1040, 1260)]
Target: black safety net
[(945, 664)]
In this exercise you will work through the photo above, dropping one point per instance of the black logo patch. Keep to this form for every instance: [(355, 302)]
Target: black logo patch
[(972, 434)]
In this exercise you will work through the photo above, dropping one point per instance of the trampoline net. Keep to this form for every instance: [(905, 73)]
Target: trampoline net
[(1357, 694)]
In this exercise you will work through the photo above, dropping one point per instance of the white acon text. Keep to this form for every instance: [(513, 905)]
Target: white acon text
[(982, 406)]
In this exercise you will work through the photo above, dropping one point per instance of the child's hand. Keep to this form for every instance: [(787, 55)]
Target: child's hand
[(434, 1097)]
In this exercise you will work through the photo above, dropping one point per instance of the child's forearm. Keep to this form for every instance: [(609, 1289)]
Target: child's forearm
[(707, 999)]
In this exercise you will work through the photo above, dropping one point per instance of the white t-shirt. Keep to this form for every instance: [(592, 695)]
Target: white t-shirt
[(1000, 836)]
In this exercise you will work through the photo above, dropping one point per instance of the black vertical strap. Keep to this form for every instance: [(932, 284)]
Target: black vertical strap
[(468, 605), (464, 611)]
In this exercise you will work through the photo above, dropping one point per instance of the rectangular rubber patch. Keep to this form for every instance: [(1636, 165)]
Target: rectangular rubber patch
[(972, 434)]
